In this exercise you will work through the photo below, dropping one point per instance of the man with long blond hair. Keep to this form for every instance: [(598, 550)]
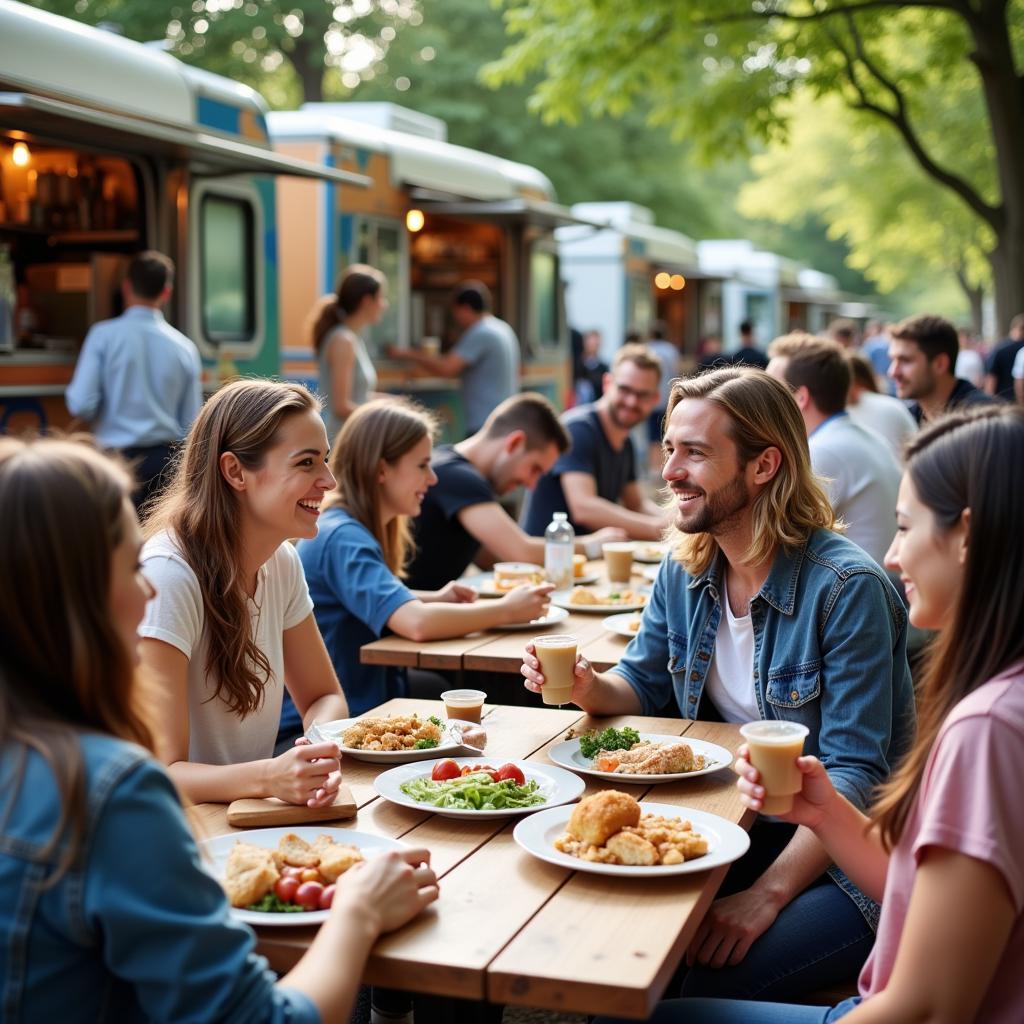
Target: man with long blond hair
[(764, 611)]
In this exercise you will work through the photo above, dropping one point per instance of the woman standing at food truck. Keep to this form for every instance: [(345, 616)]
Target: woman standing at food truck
[(106, 910), (232, 623), (347, 375)]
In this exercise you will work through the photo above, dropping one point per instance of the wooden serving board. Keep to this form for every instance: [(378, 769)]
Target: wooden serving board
[(270, 812)]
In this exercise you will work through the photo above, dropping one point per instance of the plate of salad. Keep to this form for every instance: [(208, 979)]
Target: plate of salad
[(627, 755), (473, 787)]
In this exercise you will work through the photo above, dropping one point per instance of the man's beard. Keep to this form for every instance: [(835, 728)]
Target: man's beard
[(625, 423), (718, 508)]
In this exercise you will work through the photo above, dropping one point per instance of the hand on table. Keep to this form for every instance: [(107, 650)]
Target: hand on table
[(456, 593), (392, 888), (525, 603), (309, 773), (810, 805), (583, 673), (730, 928), (606, 535)]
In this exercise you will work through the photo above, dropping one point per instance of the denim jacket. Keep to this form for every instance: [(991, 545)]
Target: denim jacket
[(137, 930), (830, 638)]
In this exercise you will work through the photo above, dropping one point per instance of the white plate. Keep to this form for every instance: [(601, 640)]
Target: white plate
[(556, 784), (568, 755), (650, 552), (586, 579), (554, 615), (483, 584), (726, 842), (450, 743), (217, 849), (620, 624), (561, 598), (650, 572)]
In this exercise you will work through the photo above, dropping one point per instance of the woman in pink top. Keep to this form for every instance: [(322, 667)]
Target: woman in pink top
[(942, 850)]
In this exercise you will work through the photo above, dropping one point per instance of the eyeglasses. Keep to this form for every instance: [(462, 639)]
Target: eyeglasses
[(627, 392)]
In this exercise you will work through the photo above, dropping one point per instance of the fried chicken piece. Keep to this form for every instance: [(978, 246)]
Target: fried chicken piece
[(629, 848), (294, 850), (597, 817), (646, 758), (249, 875), (336, 859), (580, 595)]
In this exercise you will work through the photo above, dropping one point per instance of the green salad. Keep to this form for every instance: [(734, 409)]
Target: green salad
[(592, 743), (474, 792)]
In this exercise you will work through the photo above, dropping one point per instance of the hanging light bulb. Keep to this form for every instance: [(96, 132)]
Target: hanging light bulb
[(20, 155), (414, 220)]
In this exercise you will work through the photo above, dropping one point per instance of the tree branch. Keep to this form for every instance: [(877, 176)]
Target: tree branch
[(900, 120), (957, 6)]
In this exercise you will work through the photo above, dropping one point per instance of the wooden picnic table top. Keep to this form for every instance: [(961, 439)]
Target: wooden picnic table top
[(501, 650), (509, 928)]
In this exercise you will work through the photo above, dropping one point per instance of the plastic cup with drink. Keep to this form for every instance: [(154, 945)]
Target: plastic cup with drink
[(431, 346), (618, 561), (774, 747), (556, 653), (465, 705)]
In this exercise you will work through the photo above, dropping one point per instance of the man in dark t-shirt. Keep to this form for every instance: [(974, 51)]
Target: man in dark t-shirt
[(520, 441), (999, 366), (595, 481)]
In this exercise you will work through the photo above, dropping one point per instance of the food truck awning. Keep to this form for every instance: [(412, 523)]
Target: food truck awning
[(207, 153), (535, 212)]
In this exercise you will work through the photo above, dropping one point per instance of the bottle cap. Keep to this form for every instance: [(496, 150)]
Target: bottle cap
[(560, 515)]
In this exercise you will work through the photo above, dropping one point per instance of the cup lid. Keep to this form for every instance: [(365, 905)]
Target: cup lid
[(773, 731), (554, 640), (461, 697)]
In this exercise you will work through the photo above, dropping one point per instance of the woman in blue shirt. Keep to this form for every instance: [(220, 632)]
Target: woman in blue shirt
[(106, 912), (354, 566)]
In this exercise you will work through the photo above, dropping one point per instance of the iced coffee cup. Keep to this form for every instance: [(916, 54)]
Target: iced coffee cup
[(466, 705), (431, 346), (618, 561), (774, 748), (557, 656)]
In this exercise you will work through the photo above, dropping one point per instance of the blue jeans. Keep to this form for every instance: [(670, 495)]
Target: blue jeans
[(734, 1011)]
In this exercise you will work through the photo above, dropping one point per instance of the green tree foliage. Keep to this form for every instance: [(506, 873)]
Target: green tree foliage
[(723, 74)]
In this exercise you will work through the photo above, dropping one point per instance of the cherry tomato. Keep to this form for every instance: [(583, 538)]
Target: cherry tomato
[(327, 898), (445, 770), (308, 895), (310, 875), (292, 872), (285, 888), (513, 772)]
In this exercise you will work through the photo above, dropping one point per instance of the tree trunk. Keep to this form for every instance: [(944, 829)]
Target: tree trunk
[(975, 297), (1007, 262), (308, 61)]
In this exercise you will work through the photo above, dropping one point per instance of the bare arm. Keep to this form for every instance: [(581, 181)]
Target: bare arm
[(447, 365), (990, 383), (633, 498), (956, 931), (436, 620), (341, 358), (500, 534), (586, 506), (1018, 389), (309, 675)]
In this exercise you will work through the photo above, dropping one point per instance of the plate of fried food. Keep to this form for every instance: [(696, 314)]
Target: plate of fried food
[(626, 624), (610, 833), (399, 739), (627, 755), (284, 876), (650, 552), (505, 577), (599, 600)]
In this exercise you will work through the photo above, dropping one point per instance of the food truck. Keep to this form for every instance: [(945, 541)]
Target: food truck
[(108, 147), (433, 215)]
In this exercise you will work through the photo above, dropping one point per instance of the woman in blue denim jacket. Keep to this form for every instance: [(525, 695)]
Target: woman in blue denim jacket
[(825, 645), (106, 913)]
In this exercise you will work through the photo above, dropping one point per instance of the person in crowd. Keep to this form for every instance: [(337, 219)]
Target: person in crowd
[(667, 354), (461, 513), (970, 363), (869, 408), (590, 382), (710, 352), (749, 353), (354, 565), (922, 354), (138, 381), (486, 356), (595, 481), (844, 333), (860, 473), (999, 367), (347, 376), (764, 611), (875, 348), (1018, 377), (940, 847), (231, 625), (110, 912)]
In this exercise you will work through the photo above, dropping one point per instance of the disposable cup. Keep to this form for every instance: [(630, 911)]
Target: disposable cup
[(556, 653), (466, 705), (774, 747), (618, 561)]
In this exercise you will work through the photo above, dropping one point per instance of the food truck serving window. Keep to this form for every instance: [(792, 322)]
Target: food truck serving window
[(228, 280)]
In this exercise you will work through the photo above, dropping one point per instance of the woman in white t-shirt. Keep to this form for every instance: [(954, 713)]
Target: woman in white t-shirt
[(232, 621)]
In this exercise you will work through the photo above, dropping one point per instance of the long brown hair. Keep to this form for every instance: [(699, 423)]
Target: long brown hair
[(63, 667), (204, 516), (379, 431), (966, 461), (762, 414), (358, 281)]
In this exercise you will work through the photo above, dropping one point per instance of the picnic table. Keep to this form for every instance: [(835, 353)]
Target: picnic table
[(509, 928)]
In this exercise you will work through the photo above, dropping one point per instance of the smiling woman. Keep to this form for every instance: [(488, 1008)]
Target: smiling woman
[(232, 619)]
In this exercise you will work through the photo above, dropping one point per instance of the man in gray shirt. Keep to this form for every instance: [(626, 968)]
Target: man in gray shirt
[(486, 356)]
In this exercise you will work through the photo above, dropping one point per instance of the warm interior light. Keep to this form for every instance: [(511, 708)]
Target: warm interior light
[(414, 220), (20, 155), (677, 282), (662, 280)]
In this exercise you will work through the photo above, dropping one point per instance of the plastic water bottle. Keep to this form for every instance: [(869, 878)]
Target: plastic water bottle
[(559, 547)]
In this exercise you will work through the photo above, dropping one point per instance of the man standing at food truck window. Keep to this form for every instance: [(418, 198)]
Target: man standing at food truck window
[(137, 380), (486, 356)]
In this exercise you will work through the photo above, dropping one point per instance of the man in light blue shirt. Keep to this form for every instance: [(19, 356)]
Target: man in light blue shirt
[(138, 380)]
